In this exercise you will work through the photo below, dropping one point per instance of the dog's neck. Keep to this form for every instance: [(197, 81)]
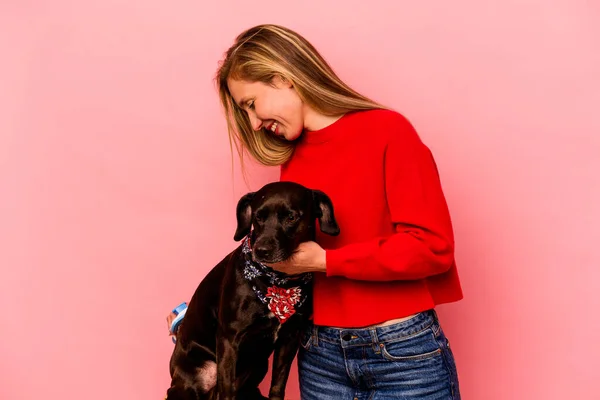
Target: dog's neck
[(283, 293)]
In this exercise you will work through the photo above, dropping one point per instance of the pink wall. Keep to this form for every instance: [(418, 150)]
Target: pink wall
[(117, 194)]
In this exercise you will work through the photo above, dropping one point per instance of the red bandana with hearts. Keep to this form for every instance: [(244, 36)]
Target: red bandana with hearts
[(282, 301)]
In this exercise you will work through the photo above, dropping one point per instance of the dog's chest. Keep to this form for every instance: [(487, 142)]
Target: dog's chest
[(283, 295), (280, 299)]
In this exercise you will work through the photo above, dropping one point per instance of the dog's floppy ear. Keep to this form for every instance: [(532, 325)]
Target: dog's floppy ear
[(244, 216), (324, 212)]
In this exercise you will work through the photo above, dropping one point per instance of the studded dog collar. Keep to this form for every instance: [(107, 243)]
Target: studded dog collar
[(282, 293)]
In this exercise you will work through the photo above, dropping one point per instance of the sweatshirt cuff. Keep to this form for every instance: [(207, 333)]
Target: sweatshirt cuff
[(334, 262)]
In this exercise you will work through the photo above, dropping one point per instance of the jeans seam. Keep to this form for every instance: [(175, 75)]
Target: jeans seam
[(436, 328), (351, 376), (418, 357), (367, 372), (446, 364)]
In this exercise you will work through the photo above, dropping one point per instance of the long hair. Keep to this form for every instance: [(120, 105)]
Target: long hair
[(264, 52)]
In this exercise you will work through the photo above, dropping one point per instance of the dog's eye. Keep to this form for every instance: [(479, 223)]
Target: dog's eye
[(291, 217)]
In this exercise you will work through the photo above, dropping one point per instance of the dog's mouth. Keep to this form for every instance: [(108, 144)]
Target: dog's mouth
[(271, 257)]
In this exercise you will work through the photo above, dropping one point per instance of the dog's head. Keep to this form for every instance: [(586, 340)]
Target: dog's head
[(281, 215)]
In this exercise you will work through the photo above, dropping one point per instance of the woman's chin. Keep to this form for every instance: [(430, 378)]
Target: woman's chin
[(290, 137)]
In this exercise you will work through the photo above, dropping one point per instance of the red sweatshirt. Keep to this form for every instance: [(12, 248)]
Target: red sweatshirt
[(394, 255)]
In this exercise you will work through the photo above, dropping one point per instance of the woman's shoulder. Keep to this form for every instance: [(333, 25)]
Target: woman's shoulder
[(381, 117), (385, 123)]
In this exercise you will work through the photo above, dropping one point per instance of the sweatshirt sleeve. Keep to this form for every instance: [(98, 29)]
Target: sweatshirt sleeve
[(422, 242)]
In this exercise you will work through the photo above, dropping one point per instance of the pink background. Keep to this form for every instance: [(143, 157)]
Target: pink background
[(118, 195)]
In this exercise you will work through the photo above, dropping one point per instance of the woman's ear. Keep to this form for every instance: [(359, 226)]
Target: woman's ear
[(281, 82)]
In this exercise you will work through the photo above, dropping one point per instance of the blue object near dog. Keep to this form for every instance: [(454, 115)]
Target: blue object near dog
[(179, 311)]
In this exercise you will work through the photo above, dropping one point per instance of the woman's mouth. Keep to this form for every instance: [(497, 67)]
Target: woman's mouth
[(273, 127)]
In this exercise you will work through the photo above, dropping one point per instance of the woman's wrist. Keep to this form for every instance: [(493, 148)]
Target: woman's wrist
[(321, 264)]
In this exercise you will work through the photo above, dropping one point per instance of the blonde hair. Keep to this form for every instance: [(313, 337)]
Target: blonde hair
[(264, 52)]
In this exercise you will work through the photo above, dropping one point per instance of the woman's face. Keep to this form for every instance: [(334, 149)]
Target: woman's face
[(276, 108)]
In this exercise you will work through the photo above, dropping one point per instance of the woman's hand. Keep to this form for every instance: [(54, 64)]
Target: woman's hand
[(308, 257)]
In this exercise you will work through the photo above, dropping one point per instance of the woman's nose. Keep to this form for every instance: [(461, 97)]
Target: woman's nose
[(255, 122)]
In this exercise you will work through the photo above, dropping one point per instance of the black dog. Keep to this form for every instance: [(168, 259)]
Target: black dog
[(243, 311)]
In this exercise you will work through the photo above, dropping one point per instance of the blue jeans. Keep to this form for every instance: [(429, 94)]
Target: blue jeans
[(407, 360)]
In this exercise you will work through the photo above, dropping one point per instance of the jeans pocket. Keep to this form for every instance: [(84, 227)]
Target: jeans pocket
[(419, 347)]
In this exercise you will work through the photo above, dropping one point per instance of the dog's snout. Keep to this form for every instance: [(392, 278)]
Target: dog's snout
[(262, 251), (266, 249)]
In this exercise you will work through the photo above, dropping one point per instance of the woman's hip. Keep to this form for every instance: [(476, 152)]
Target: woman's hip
[(410, 356)]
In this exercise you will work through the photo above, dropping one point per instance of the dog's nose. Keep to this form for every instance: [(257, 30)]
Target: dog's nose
[(261, 251)]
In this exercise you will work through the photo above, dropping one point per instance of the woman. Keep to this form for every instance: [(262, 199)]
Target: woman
[(375, 334)]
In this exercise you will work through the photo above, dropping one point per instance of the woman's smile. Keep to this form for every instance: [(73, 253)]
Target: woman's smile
[(273, 127)]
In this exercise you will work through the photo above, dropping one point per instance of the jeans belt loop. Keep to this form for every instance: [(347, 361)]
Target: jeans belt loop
[(375, 340)]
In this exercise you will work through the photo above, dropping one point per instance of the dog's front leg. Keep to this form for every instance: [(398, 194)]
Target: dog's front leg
[(286, 348), (226, 367)]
